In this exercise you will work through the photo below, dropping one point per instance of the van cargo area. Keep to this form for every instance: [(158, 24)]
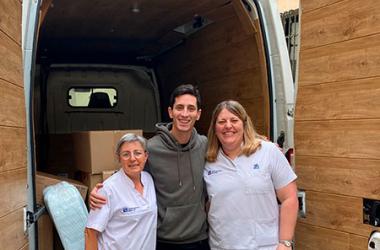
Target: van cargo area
[(114, 67)]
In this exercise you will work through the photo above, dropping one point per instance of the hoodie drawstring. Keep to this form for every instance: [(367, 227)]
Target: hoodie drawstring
[(179, 169), (192, 171)]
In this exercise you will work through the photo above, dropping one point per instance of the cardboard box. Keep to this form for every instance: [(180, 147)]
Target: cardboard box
[(45, 224), (106, 174), (43, 180), (94, 151), (90, 180), (45, 233)]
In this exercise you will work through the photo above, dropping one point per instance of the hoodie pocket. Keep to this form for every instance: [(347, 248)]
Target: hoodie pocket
[(182, 222)]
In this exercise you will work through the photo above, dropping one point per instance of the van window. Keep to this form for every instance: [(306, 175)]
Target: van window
[(87, 97)]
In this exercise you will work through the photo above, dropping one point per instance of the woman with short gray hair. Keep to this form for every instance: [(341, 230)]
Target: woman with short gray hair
[(129, 219)]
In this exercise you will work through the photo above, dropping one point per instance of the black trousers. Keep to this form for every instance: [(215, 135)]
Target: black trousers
[(199, 245)]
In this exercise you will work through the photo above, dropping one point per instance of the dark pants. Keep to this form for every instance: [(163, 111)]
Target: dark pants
[(199, 245)]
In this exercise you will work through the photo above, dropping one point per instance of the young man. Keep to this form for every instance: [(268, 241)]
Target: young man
[(176, 162)]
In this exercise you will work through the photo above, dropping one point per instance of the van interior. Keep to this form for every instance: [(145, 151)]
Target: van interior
[(111, 65)]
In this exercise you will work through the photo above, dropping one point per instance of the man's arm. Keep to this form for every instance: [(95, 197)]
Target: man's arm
[(97, 200)]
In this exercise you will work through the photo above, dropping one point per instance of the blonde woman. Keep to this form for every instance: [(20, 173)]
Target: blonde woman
[(245, 176)]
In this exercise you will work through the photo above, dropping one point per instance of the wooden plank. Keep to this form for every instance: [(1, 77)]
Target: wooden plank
[(11, 61), (10, 19), (310, 237), (220, 64), (43, 11), (12, 105), (222, 12), (341, 100), (308, 5), (12, 148), (12, 190), (12, 230), (230, 60), (45, 233), (262, 61), (244, 17), (337, 212), (245, 85), (224, 37), (327, 25), (353, 59), (358, 242), (220, 35), (354, 177), (341, 138)]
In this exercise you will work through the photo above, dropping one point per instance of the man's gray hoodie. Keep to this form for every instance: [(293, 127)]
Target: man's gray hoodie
[(177, 171)]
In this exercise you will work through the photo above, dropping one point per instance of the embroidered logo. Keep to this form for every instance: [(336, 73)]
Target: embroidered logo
[(128, 209), (210, 172), (256, 166)]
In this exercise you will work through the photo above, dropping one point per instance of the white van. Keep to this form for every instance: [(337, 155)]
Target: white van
[(111, 65)]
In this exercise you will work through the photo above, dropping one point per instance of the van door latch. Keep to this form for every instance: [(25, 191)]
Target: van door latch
[(31, 217)]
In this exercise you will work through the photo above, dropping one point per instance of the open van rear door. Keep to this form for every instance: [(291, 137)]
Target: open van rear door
[(279, 74), (280, 78), (13, 162), (30, 14)]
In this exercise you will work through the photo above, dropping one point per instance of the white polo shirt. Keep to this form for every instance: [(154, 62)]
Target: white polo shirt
[(244, 213), (129, 219)]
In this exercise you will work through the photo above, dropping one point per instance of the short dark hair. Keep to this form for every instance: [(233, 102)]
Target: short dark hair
[(184, 89)]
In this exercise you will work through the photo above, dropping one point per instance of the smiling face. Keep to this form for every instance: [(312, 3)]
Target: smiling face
[(229, 130), (132, 158), (184, 113)]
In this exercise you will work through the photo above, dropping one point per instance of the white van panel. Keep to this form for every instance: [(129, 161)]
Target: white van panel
[(282, 80)]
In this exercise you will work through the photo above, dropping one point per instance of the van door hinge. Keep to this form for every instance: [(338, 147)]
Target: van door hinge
[(30, 217)]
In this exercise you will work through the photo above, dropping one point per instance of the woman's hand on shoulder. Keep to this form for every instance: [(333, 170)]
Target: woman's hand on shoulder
[(97, 200)]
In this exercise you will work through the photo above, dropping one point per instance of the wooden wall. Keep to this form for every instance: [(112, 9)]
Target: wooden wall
[(223, 60), (337, 128), (12, 129)]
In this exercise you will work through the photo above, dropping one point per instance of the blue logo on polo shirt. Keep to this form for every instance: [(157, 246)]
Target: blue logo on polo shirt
[(210, 172), (256, 166), (128, 209)]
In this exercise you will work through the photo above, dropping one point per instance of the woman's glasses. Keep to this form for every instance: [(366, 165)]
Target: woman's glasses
[(128, 155)]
